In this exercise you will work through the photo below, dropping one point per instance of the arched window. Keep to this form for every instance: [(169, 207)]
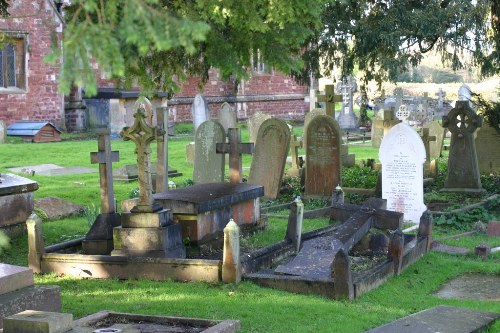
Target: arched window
[(12, 60)]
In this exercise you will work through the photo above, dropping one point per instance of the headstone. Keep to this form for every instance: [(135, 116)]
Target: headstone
[(441, 94), (402, 154), (162, 171), (463, 168), (443, 319), (329, 98), (146, 105), (347, 118), (31, 321), (294, 227), (190, 148), (488, 151), (227, 117), (435, 147), (323, 163), (307, 119), (3, 132), (271, 150), (427, 139), (254, 123), (235, 148), (380, 128), (56, 208), (199, 111), (231, 262), (295, 145), (128, 172), (208, 165)]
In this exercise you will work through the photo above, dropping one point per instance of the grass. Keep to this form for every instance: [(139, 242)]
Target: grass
[(259, 309)]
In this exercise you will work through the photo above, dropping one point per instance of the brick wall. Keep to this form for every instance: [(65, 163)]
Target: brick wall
[(40, 100)]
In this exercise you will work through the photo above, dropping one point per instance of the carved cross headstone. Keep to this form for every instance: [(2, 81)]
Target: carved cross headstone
[(427, 139), (105, 157), (329, 98), (142, 135), (162, 149), (295, 144), (403, 113), (463, 169), (234, 148), (441, 94), (347, 87)]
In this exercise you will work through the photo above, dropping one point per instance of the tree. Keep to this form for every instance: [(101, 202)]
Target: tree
[(157, 43)]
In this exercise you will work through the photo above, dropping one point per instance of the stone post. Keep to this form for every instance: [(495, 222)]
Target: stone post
[(396, 249), (337, 196), (294, 229), (231, 264), (425, 227), (342, 276), (36, 244)]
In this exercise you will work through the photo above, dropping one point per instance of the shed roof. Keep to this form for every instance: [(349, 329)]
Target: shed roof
[(28, 128)]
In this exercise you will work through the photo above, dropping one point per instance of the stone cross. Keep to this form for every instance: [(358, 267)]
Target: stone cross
[(330, 99), (162, 150), (234, 148), (295, 144), (105, 157), (441, 94), (346, 88), (463, 168), (403, 113), (142, 135), (427, 139)]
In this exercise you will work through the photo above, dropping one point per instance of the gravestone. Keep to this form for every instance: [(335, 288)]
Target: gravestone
[(234, 148), (441, 94), (347, 118), (208, 165), (254, 123), (56, 208), (18, 292), (271, 150), (472, 286), (99, 239), (295, 144), (3, 133), (381, 127), (227, 117), (162, 171), (464, 93), (329, 98), (128, 172), (199, 111), (323, 163), (488, 150), (463, 168), (307, 119), (430, 166), (403, 113), (148, 230), (435, 147), (402, 154)]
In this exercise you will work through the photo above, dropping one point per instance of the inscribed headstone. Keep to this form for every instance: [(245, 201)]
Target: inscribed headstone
[(463, 168), (323, 164), (199, 111), (488, 150), (435, 129), (227, 117), (271, 150), (254, 123), (2, 132), (208, 165), (309, 116), (402, 154)]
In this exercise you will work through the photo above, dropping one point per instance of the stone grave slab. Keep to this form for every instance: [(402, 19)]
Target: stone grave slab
[(203, 210), (208, 165), (54, 170), (56, 208), (488, 154), (472, 286), (402, 154), (31, 321), (442, 319), (493, 229), (271, 150), (128, 172), (14, 278), (449, 249)]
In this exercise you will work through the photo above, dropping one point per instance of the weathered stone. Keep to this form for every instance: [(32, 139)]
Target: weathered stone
[(3, 132), (381, 127), (14, 278), (147, 220), (347, 119), (472, 286), (231, 263), (128, 172), (190, 153), (307, 119), (463, 168), (488, 154), (427, 139), (36, 245), (396, 250), (443, 319), (323, 164), (162, 170), (482, 250), (254, 123), (493, 229), (56, 208), (271, 150), (402, 154), (234, 148), (295, 144), (342, 276), (436, 130), (31, 321), (329, 98), (200, 111), (294, 227), (208, 165), (227, 117), (99, 239)]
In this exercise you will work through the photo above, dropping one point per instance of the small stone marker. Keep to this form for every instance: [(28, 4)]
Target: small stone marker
[(254, 123), (402, 154), (36, 244), (294, 228), (442, 319), (342, 276), (435, 146), (227, 117), (271, 150), (31, 321), (3, 132), (235, 148), (295, 144), (162, 149), (231, 263), (472, 286), (347, 118), (381, 127), (463, 168), (199, 110), (488, 152), (427, 139), (329, 98), (208, 165), (323, 162)]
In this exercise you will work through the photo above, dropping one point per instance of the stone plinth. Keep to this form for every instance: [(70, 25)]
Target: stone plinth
[(30, 321), (16, 200), (203, 210)]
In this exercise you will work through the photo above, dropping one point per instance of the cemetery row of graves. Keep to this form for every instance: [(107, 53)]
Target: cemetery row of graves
[(305, 211)]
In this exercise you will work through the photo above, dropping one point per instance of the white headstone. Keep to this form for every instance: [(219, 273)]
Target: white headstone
[(464, 93), (402, 154), (199, 111)]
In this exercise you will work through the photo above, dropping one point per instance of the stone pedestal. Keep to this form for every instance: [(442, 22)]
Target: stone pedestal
[(99, 239), (148, 235)]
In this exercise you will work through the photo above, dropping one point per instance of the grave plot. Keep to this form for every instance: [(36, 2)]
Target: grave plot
[(324, 263)]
